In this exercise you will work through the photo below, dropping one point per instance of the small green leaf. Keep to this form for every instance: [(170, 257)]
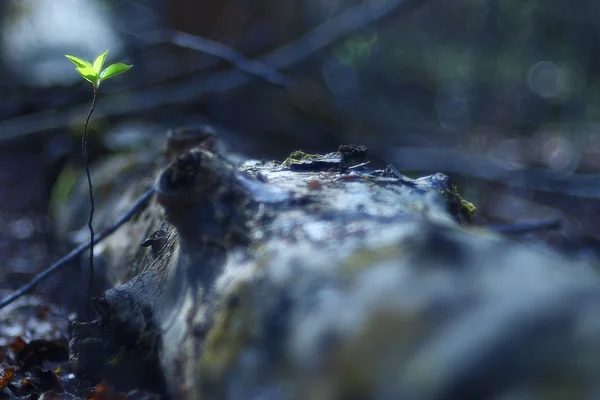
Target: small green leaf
[(114, 69), (79, 63), (89, 74), (99, 62)]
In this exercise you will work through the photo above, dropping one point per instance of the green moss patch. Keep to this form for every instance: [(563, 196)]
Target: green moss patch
[(228, 336), (298, 156), (458, 207)]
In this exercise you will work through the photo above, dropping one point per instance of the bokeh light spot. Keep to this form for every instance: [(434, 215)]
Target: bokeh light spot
[(546, 79)]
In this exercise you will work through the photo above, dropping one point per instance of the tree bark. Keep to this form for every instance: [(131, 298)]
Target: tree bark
[(321, 278)]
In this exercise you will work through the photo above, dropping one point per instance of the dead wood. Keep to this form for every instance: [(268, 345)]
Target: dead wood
[(243, 281)]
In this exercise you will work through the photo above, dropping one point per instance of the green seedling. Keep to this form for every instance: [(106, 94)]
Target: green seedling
[(94, 74)]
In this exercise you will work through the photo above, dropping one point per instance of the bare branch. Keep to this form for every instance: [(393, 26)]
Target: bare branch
[(426, 159), (77, 251), (217, 49)]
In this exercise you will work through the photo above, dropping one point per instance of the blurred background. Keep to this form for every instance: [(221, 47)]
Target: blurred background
[(503, 96)]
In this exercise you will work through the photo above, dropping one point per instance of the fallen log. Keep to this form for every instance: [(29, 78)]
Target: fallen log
[(314, 279)]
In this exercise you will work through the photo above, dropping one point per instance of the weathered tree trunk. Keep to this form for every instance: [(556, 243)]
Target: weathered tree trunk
[(316, 279)]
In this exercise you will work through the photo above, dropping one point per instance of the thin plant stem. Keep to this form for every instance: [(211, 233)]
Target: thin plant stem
[(28, 287), (84, 140)]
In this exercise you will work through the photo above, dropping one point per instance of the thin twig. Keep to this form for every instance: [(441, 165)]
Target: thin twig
[(219, 50), (395, 171), (77, 251), (526, 226), (453, 161), (91, 190), (360, 165)]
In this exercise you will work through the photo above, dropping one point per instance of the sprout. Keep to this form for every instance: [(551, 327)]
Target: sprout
[(94, 74)]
